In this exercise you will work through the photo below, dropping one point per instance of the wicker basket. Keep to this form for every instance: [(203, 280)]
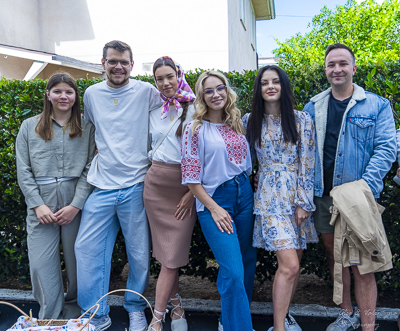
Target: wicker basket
[(92, 311), (56, 322)]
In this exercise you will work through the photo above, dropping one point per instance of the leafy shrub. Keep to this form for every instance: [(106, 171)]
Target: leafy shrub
[(20, 99)]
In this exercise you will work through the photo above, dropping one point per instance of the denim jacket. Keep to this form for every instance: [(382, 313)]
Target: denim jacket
[(367, 141)]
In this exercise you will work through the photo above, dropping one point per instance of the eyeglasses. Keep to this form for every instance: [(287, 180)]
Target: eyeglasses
[(220, 89), (114, 63)]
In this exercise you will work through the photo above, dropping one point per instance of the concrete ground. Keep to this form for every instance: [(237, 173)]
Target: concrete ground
[(203, 314)]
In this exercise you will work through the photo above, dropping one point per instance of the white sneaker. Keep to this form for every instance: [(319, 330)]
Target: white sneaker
[(137, 321), (291, 324), (101, 323), (344, 322)]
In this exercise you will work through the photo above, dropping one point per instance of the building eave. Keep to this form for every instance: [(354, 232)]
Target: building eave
[(41, 59), (264, 9)]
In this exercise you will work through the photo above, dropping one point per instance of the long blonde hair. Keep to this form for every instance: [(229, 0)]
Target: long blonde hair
[(231, 115)]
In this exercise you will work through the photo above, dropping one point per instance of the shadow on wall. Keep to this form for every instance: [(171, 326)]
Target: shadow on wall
[(40, 25)]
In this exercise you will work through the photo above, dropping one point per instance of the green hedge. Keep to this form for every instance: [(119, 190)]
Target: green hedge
[(20, 99)]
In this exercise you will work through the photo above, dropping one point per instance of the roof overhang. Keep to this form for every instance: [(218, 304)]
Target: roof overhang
[(264, 9), (42, 59)]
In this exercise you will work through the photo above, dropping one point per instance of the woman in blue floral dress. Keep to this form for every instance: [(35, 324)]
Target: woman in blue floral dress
[(283, 139)]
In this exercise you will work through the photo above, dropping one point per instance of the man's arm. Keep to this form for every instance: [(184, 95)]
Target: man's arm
[(384, 153), (87, 114)]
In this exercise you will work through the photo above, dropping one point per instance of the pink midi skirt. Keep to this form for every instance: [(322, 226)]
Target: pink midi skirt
[(171, 238)]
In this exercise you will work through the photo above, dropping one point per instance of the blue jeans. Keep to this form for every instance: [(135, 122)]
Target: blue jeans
[(234, 252), (103, 214)]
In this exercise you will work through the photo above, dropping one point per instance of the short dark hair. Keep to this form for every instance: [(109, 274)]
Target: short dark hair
[(338, 45), (120, 46)]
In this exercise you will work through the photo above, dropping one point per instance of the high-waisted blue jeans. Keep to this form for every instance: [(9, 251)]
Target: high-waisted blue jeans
[(234, 252)]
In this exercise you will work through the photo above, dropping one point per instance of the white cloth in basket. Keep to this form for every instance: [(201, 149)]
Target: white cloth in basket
[(24, 323)]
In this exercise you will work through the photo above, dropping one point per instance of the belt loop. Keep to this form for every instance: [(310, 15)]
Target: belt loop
[(238, 188)]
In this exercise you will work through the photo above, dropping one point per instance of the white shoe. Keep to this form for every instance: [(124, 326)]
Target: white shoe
[(137, 321), (101, 323), (291, 324), (344, 322), (157, 320), (179, 324)]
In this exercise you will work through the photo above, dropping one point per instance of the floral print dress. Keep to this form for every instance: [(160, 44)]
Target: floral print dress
[(286, 180)]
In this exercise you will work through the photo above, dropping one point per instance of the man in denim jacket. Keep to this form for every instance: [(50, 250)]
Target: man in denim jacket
[(355, 134)]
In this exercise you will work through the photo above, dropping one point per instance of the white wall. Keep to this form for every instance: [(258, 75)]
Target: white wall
[(242, 55), (18, 23), (43, 24), (194, 33)]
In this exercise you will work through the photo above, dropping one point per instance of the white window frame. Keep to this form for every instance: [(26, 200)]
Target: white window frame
[(243, 13), (253, 27)]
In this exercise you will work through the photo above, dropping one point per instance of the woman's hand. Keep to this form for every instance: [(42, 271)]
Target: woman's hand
[(220, 216), (222, 219), (185, 205), (66, 215), (256, 178), (301, 215), (44, 214)]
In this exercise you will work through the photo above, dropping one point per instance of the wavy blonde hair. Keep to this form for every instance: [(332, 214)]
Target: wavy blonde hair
[(231, 115)]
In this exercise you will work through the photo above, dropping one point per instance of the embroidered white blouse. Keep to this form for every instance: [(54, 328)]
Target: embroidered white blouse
[(213, 155)]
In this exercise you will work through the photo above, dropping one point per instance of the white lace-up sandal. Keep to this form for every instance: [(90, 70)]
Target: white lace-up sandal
[(157, 320), (179, 324)]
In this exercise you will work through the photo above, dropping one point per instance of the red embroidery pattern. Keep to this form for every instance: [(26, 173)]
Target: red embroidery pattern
[(190, 164), (191, 168), (235, 144)]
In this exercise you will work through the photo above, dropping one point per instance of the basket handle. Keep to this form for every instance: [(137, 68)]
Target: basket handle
[(15, 307), (93, 311), (97, 305), (126, 290)]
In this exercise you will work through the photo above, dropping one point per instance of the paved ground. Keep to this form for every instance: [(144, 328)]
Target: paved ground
[(203, 315)]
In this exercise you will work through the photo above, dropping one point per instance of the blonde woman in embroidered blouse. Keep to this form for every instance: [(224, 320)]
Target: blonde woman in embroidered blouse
[(283, 139), (215, 166), (54, 151), (169, 205)]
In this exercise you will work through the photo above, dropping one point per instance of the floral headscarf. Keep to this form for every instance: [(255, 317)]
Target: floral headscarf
[(183, 93)]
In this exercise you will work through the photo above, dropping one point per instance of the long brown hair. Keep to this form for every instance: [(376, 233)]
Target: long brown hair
[(44, 125), (288, 120)]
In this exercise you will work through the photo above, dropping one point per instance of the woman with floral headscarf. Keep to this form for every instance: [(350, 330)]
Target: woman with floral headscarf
[(169, 205)]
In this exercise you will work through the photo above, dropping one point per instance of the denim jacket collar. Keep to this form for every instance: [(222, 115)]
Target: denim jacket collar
[(358, 94)]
